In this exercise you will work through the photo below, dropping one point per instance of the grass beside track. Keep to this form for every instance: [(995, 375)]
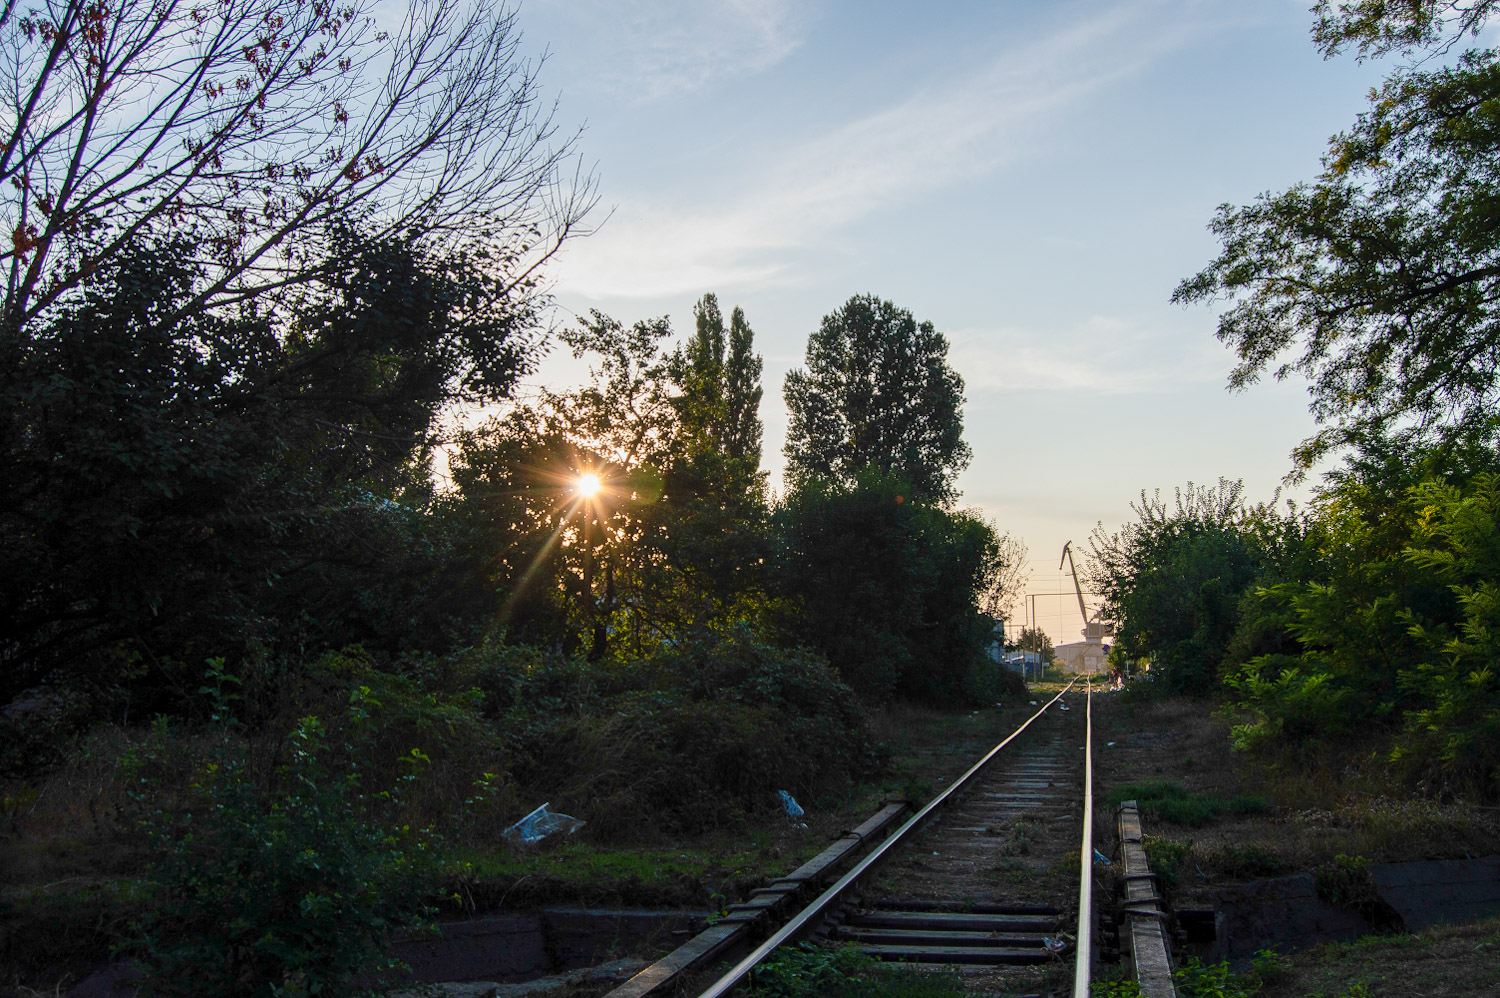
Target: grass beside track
[(70, 873), (1459, 961)]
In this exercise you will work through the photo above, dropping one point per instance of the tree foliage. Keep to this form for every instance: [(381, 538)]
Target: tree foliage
[(719, 376), (1037, 640), (295, 891), (878, 393), (676, 538), (255, 251), (890, 590), (1378, 27), (176, 488), (1388, 620), (1173, 579), (1377, 282)]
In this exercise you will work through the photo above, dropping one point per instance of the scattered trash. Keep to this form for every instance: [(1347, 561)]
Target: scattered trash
[(1054, 945), (540, 824), (1033, 703), (934, 854), (1099, 857), (1109, 744), (793, 809)]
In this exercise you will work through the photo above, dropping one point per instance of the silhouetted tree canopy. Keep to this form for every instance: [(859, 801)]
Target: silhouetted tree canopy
[(877, 392)]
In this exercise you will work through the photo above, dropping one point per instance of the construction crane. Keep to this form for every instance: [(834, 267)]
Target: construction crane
[(1094, 630)]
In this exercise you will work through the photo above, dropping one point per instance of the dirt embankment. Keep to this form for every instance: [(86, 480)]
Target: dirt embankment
[(1309, 840)]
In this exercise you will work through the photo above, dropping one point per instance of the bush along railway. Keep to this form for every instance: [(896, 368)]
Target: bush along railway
[(995, 874)]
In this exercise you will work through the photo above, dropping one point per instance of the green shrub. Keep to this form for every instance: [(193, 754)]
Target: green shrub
[(1247, 804), (1244, 862), (988, 682), (1127, 988), (1270, 966), (1346, 881), (810, 972), (686, 740), (291, 889), (430, 705), (1175, 803), (1195, 979), (1388, 629), (1165, 856)]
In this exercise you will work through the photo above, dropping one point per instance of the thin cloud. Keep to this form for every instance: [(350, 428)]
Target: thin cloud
[(648, 50), (1106, 354), (654, 246)]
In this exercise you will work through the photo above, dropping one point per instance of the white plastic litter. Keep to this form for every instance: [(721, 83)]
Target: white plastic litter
[(541, 824), (793, 809)]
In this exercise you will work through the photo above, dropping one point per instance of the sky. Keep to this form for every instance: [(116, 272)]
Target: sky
[(1032, 177)]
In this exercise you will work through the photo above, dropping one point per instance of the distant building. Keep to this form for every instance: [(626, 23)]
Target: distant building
[(1087, 658)]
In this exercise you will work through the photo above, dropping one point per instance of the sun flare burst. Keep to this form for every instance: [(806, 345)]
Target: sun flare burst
[(588, 486)]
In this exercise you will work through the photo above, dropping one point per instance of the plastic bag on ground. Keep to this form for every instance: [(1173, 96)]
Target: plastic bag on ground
[(541, 824), (793, 809)]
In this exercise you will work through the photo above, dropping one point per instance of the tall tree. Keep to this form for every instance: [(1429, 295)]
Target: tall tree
[(742, 393), (1379, 282), (877, 393), (718, 372)]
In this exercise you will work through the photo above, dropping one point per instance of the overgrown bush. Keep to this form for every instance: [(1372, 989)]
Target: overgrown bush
[(426, 703), (293, 888), (1165, 856), (888, 589), (1396, 638), (686, 740), (1174, 578)]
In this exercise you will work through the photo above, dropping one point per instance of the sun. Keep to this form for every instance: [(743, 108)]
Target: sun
[(588, 486)]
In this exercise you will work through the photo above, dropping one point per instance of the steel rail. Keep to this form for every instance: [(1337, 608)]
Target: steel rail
[(1083, 957), (806, 918)]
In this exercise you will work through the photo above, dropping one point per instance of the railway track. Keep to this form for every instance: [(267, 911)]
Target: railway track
[(981, 876)]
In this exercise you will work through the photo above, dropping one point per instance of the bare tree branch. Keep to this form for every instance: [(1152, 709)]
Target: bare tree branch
[(258, 124)]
